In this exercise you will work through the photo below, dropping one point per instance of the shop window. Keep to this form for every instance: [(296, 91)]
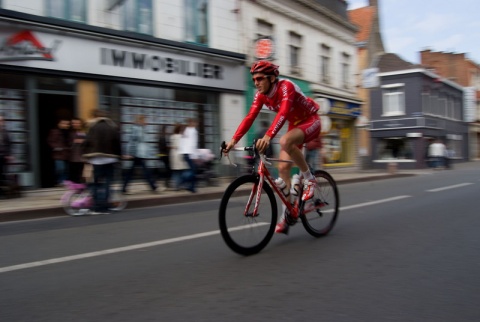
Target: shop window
[(393, 100), (74, 10), (395, 148), (137, 16), (337, 143), (13, 109), (196, 21), (163, 107)]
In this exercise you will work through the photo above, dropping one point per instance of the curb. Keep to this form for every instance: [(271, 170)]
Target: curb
[(57, 211)]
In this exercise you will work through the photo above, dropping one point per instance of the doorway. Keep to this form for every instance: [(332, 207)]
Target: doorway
[(51, 108)]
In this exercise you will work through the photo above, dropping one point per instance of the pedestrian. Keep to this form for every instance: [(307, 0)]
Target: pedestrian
[(177, 163), (164, 156), (5, 149), (436, 152), (313, 156), (77, 162), (59, 140), (137, 153), (102, 149), (188, 148)]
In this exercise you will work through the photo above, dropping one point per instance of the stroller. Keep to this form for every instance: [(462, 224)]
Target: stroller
[(205, 162)]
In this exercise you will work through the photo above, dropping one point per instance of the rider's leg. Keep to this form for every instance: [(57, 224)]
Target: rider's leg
[(289, 144)]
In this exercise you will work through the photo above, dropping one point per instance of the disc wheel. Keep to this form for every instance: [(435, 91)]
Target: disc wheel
[(320, 213), (245, 232)]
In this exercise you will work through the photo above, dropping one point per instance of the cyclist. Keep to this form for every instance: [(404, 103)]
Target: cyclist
[(285, 98)]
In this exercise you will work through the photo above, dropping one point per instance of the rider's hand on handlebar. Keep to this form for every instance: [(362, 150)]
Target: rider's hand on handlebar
[(262, 144), (229, 146)]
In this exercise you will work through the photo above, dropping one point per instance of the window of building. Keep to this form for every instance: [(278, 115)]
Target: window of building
[(196, 21), (74, 10), (295, 47), (137, 16), (395, 148), (264, 29), (325, 64), (345, 70), (393, 100)]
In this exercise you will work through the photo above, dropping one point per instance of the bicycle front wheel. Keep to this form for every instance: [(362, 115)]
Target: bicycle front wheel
[(320, 213), (243, 230)]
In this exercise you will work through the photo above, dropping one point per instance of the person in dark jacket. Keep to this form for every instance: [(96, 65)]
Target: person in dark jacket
[(77, 137), (59, 140), (102, 148), (164, 155), (5, 148)]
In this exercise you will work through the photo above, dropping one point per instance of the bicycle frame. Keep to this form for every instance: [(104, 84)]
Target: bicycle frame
[(264, 174)]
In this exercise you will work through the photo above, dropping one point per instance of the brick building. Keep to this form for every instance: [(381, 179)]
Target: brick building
[(458, 68)]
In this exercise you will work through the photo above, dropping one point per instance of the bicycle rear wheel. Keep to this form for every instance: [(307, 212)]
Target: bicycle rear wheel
[(320, 213), (244, 232)]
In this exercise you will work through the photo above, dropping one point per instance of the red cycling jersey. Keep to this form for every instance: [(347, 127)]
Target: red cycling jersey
[(288, 100)]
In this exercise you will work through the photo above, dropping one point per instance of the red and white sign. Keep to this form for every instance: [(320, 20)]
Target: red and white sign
[(264, 48), (24, 45)]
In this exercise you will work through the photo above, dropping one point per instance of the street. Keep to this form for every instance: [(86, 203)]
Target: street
[(403, 249)]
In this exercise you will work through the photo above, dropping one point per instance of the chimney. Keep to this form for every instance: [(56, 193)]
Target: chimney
[(373, 3)]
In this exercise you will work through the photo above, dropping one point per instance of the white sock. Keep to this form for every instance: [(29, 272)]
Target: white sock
[(307, 175)]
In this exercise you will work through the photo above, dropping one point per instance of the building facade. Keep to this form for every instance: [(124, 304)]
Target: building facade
[(313, 42), (457, 68), (412, 107), (168, 61)]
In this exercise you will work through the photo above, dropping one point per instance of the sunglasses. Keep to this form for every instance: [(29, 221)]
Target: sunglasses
[(258, 78)]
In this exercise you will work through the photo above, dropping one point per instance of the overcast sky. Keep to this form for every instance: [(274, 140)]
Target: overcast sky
[(409, 26)]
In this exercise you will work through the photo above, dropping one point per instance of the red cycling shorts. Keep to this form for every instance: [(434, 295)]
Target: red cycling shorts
[(310, 127)]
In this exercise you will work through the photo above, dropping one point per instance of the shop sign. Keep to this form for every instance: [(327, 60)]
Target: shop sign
[(395, 123), (264, 48), (24, 45), (42, 50), (345, 108)]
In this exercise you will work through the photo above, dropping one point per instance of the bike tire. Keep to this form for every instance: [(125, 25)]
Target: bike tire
[(320, 213), (74, 210), (244, 234)]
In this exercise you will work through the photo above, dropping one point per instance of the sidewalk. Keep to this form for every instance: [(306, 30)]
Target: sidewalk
[(43, 203)]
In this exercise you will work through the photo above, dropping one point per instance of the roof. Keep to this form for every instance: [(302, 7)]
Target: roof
[(363, 19), (390, 62)]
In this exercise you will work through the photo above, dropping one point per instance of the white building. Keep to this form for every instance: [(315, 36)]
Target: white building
[(169, 60)]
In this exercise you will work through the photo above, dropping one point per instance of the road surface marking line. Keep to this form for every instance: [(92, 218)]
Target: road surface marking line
[(450, 187), (116, 250), (365, 204), (157, 243)]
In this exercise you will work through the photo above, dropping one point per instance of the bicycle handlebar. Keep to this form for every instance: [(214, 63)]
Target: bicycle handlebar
[(244, 148)]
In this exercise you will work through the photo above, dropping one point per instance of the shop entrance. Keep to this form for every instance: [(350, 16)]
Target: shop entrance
[(51, 108)]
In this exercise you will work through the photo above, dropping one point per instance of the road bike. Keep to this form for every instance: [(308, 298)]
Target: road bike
[(248, 209), (78, 201)]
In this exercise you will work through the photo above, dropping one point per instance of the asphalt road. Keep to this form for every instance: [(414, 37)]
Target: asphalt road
[(404, 249)]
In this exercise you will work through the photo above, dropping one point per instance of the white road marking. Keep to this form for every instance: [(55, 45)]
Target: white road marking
[(450, 187), (156, 243), (365, 204), (105, 252)]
